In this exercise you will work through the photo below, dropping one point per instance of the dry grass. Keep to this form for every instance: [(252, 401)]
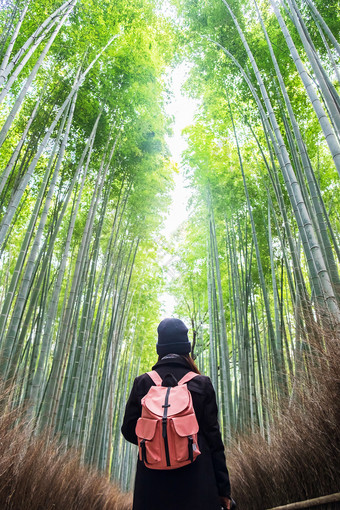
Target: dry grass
[(36, 475), (302, 460)]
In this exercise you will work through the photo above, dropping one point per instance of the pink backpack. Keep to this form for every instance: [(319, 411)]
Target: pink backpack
[(167, 429)]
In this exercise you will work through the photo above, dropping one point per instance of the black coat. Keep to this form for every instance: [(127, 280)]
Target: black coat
[(196, 486)]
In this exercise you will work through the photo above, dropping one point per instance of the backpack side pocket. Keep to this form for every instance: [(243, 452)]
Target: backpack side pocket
[(185, 446), (148, 440)]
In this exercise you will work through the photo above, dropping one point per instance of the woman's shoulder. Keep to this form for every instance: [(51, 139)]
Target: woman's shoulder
[(142, 384), (201, 384)]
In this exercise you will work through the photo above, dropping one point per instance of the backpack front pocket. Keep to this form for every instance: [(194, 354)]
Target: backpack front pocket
[(148, 441), (185, 446)]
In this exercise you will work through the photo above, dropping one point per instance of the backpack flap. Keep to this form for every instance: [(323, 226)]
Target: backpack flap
[(185, 425), (146, 428), (179, 399)]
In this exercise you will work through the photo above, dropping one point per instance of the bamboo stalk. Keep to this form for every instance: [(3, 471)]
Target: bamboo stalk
[(21, 97), (326, 126), (32, 42), (12, 41), (324, 25)]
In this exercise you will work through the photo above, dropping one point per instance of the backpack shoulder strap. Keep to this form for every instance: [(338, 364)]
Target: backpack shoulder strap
[(155, 377), (187, 377)]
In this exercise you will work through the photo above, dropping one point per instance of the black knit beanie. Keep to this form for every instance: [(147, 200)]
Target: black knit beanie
[(172, 337)]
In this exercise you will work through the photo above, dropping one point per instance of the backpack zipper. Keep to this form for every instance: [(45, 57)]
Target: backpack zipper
[(164, 427)]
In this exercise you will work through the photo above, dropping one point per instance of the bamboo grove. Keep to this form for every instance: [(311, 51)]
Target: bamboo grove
[(84, 186), (85, 175), (260, 276)]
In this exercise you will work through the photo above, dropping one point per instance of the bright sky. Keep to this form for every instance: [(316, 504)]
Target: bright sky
[(183, 109)]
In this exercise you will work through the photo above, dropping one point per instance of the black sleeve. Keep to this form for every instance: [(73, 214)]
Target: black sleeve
[(133, 411), (212, 433)]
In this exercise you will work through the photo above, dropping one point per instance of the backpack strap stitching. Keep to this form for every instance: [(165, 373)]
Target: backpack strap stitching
[(187, 377), (155, 377)]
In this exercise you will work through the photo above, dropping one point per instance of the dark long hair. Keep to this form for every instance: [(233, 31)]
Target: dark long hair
[(189, 360)]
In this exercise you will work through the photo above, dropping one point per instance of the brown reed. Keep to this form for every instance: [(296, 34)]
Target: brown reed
[(36, 474), (302, 459)]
